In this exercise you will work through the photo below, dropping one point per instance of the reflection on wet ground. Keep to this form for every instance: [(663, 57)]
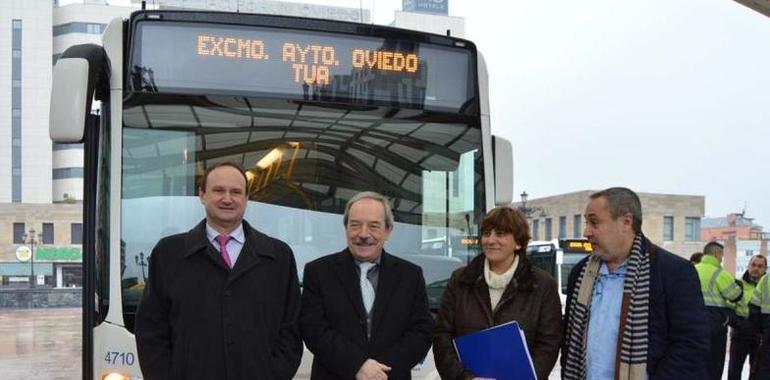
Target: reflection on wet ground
[(46, 344), (40, 343)]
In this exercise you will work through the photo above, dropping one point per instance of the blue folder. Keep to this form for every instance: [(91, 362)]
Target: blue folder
[(498, 352)]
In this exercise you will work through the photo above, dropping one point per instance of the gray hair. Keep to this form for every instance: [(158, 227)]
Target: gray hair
[(621, 200), (370, 195)]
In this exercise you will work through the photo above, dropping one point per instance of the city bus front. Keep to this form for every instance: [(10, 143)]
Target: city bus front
[(314, 110)]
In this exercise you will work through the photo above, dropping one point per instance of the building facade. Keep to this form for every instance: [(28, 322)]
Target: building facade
[(672, 221), (735, 224), (25, 87), (745, 250), (271, 7), (52, 232), (41, 184)]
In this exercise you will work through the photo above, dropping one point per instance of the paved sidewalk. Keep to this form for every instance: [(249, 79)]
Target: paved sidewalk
[(46, 344), (40, 344)]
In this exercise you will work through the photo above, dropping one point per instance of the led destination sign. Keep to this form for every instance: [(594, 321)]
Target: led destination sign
[(310, 63), (201, 59)]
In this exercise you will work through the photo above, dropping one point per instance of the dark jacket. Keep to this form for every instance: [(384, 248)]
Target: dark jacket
[(742, 328), (678, 329), (531, 299), (333, 318), (199, 320)]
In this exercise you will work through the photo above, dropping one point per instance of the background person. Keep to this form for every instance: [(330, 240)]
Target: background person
[(499, 286), (745, 336), (696, 257), (720, 293), (760, 315)]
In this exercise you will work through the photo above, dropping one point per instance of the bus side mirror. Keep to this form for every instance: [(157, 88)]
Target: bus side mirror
[(503, 153), (69, 100), (79, 74)]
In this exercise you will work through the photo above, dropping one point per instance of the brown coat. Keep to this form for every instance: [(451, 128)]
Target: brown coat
[(531, 299)]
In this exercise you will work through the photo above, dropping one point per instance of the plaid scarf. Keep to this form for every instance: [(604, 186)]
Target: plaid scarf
[(631, 350)]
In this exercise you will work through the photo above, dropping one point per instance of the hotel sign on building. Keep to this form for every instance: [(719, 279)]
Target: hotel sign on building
[(440, 7)]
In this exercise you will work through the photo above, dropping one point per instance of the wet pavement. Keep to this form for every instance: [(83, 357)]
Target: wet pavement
[(46, 344), (40, 344)]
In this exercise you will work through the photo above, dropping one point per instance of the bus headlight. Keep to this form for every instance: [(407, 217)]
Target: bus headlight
[(115, 376)]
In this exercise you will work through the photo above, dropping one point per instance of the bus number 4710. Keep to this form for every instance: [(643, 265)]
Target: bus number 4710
[(119, 358)]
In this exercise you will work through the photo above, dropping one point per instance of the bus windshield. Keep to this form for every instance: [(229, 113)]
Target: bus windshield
[(315, 112), (303, 163)]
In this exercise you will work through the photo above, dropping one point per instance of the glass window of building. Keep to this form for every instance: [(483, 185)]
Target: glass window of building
[(692, 229), (47, 233), (548, 232), (18, 233), (536, 229), (562, 227), (577, 226), (668, 228), (16, 196), (76, 233)]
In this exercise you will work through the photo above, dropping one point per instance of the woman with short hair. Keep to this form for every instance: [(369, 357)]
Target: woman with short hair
[(497, 287)]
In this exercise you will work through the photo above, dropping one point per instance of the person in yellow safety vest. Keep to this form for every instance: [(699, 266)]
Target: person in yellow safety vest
[(720, 292), (760, 314), (744, 337)]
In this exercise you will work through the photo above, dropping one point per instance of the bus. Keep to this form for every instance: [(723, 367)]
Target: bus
[(315, 110), (558, 257)]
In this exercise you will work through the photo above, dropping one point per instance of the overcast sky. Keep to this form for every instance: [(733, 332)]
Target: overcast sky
[(669, 96)]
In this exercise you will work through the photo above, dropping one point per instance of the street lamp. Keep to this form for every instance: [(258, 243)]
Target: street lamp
[(32, 239), (141, 262), (529, 211)]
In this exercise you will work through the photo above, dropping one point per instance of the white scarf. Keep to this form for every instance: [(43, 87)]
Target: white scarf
[(497, 282)]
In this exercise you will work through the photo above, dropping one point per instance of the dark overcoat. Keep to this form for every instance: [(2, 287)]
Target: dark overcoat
[(199, 320), (334, 324), (678, 332), (531, 299)]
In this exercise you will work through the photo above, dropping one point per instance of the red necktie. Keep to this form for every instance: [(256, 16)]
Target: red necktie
[(223, 239)]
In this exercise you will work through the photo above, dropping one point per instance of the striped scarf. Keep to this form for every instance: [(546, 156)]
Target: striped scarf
[(631, 351)]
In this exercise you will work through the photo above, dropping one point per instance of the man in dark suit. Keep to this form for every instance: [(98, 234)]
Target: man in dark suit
[(365, 312), (222, 300)]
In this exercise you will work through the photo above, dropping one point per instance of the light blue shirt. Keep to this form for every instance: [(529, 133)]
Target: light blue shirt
[(234, 245), (604, 323)]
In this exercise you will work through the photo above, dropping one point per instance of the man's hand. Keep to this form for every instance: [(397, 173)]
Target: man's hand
[(372, 370)]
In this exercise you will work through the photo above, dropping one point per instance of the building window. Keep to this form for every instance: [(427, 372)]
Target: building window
[(64, 173), (47, 233), (548, 232), (536, 229), (562, 227), (668, 228), (456, 183), (78, 27), (18, 233), (692, 229), (577, 223), (749, 252), (16, 111), (76, 233), (61, 146)]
